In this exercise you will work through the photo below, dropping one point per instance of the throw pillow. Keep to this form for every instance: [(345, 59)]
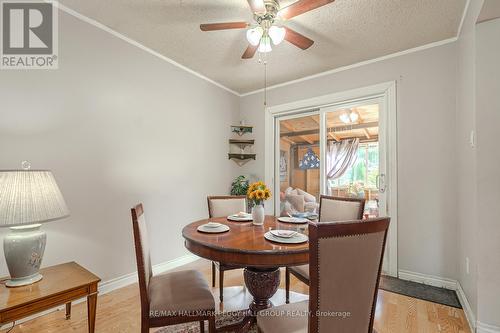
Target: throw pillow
[(307, 197)]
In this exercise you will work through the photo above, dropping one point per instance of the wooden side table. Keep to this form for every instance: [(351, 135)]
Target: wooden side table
[(61, 284)]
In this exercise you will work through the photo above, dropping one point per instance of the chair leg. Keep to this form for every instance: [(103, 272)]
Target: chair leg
[(213, 274), (202, 326), (287, 285), (144, 326), (221, 284), (211, 325)]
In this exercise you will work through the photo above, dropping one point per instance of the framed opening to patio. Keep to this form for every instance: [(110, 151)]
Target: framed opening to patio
[(342, 144)]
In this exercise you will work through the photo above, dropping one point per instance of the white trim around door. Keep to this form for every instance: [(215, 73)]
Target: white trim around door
[(387, 92)]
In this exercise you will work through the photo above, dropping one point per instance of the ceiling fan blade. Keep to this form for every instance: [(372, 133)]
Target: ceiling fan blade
[(223, 26), (297, 39), (257, 6), (301, 7), (250, 52)]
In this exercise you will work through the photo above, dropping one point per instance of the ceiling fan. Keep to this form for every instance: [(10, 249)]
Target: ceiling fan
[(269, 25)]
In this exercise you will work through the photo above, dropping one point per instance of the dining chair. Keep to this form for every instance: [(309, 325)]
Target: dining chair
[(330, 209), (170, 298), (222, 206), (345, 260)]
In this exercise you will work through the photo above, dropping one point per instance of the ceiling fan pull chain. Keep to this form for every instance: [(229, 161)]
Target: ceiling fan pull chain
[(265, 84)]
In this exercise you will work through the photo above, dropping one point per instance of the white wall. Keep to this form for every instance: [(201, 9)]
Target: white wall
[(117, 126), (466, 156), (488, 166), (426, 97)]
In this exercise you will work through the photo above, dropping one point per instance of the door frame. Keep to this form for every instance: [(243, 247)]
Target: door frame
[(386, 91)]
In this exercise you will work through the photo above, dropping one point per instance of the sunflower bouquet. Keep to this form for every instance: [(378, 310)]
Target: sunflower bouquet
[(258, 192)]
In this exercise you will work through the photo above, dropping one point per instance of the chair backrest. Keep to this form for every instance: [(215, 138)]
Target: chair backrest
[(143, 258), (345, 261), (222, 206), (340, 209)]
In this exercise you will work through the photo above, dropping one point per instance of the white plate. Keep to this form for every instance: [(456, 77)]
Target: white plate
[(297, 220), (297, 239), (212, 230), (238, 218), (283, 233), (213, 224)]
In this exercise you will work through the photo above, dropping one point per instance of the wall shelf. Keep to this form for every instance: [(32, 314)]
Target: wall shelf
[(244, 155), (241, 143), (241, 129), (241, 159)]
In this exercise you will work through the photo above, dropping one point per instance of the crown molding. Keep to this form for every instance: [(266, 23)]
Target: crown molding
[(464, 14), (372, 61), (356, 65), (283, 84), (101, 26)]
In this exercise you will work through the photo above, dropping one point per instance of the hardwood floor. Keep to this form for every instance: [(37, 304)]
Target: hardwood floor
[(119, 311)]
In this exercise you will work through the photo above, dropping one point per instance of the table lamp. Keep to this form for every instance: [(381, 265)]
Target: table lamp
[(27, 199)]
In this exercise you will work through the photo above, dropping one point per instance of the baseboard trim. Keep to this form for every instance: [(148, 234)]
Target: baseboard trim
[(471, 318), (436, 281), (117, 283), (451, 284), (175, 263), (486, 328), (430, 280), (128, 279)]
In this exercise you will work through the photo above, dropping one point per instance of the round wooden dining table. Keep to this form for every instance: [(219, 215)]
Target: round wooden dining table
[(244, 245)]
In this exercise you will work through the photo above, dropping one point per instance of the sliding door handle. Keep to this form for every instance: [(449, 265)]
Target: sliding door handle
[(380, 180)]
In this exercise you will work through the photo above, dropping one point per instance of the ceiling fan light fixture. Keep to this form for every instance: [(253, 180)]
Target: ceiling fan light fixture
[(353, 116), (265, 45), (254, 35), (277, 34), (268, 17), (344, 117)]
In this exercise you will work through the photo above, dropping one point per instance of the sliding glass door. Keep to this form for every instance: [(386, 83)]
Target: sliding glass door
[(338, 150), (352, 152)]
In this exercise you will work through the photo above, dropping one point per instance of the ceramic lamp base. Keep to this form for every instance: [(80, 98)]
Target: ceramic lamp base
[(12, 283), (23, 248)]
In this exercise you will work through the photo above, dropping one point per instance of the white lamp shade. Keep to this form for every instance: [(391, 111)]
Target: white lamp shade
[(28, 197), (265, 45), (277, 34), (344, 117), (353, 116), (254, 35)]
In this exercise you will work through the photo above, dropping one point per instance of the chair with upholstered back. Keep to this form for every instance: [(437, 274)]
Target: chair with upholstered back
[(340, 208), (345, 261), (168, 298), (225, 205), (222, 206), (331, 209)]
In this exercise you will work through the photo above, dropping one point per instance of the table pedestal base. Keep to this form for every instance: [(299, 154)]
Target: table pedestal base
[(238, 298), (262, 283)]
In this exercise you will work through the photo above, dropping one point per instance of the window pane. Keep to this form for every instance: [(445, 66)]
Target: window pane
[(364, 172), (299, 166)]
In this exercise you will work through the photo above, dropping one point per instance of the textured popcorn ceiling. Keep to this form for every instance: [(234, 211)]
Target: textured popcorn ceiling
[(490, 10), (345, 32)]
